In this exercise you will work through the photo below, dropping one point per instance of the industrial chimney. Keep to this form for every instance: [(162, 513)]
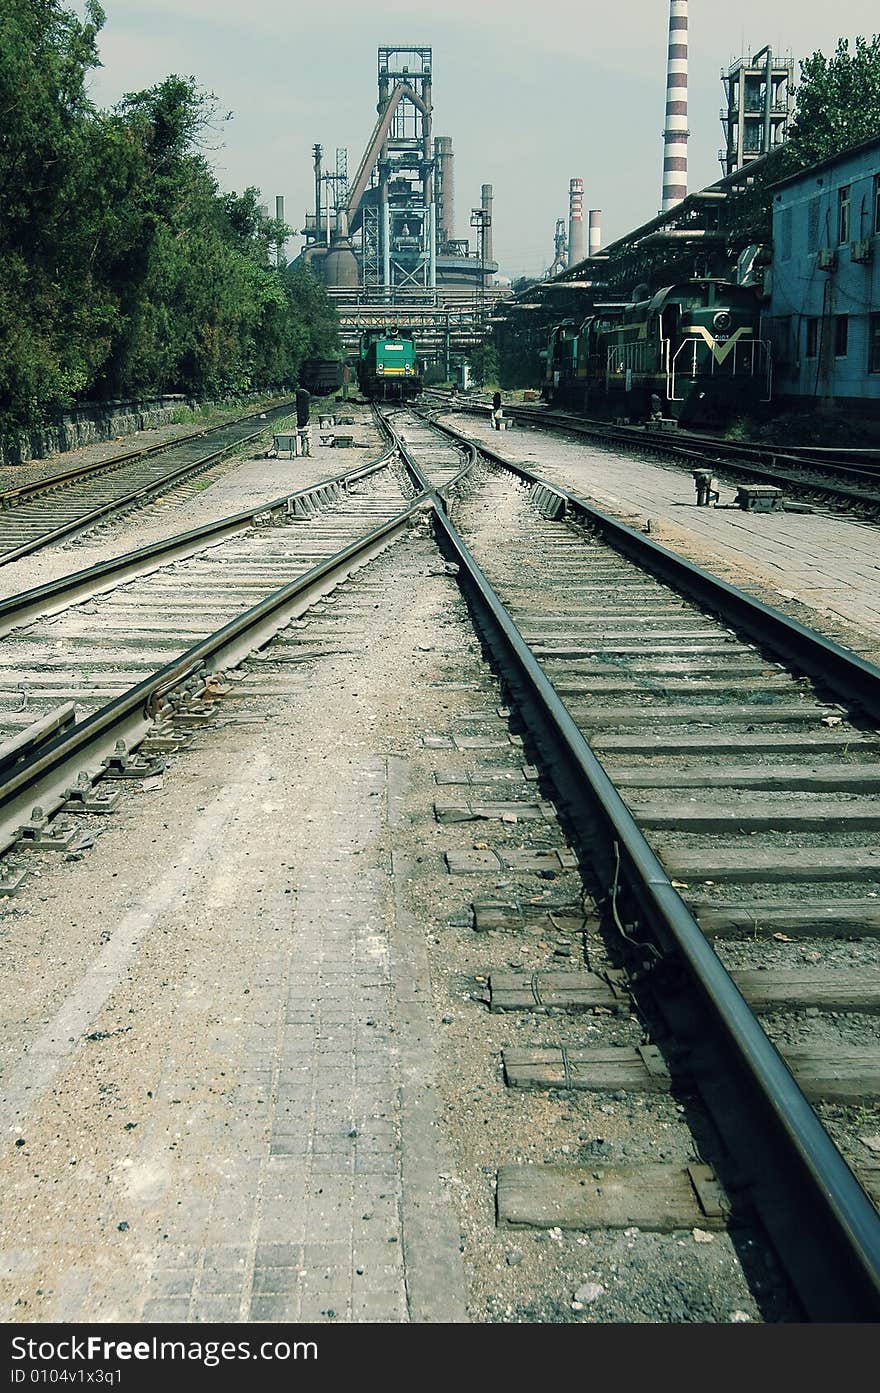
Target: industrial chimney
[(486, 204), (444, 187), (675, 135), (575, 221), (595, 231), (279, 217), (317, 151)]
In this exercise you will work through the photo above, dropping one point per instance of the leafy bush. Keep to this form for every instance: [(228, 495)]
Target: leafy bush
[(123, 268)]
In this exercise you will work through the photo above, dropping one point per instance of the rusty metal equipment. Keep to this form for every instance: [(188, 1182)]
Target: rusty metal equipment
[(759, 498), (706, 495), (760, 105)]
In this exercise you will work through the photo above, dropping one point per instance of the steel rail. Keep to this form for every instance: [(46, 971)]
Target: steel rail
[(819, 1217), (749, 461), (722, 456), (78, 586), (383, 423), (845, 455), (417, 476), (850, 678), (44, 779), (168, 480)]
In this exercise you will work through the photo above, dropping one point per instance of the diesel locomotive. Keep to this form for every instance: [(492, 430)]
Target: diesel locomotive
[(697, 346), (387, 367)]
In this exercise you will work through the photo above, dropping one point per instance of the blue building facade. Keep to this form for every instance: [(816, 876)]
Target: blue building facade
[(825, 287)]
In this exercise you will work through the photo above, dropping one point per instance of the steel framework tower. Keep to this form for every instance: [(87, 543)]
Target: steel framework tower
[(760, 102), (399, 236)]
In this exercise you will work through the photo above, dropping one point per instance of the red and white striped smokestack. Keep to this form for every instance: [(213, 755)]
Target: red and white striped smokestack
[(675, 136), (595, 231), (575, 221)]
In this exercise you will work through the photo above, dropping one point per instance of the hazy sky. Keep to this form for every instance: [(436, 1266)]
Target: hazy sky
[(532, 91)]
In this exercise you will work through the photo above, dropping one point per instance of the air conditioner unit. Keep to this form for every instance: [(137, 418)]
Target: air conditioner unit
[(826, 259), (862, 250)]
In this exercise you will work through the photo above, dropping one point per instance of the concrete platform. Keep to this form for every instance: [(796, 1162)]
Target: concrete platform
[(830, 565)]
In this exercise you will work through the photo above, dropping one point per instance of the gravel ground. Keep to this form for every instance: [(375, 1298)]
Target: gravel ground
[(137, 1142)]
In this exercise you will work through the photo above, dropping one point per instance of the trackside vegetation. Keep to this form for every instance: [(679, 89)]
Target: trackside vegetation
[(124, 269)]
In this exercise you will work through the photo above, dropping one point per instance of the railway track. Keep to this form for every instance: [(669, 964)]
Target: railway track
[(849, 479), (46, 510), (90, 663), (720, 765), (739, 1013)]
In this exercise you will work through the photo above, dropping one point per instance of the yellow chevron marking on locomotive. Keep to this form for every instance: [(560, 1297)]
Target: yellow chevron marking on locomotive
[(393, 372), (719, 351)]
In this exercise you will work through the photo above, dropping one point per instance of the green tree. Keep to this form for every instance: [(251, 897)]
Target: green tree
[(484, 363), (838, 102), (123, 267), (315, 310), (53, 318), (208, 311)]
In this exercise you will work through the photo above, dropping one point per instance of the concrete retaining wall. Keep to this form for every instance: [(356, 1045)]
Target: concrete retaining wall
[(85, 425)]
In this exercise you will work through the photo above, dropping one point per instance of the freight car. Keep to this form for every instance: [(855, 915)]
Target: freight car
[(697, 346), (388, 369), (321, 376)]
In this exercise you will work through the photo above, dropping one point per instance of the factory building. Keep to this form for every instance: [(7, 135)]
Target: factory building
[(384, 242), (808, 245), (711, 232), (825, 287)]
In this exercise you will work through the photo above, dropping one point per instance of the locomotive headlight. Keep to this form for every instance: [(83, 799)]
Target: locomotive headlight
[(407, 369), (722, 320), (380, 367)]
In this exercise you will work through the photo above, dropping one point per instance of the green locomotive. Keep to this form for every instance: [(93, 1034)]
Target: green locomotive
[(387, 368), (696, 345)]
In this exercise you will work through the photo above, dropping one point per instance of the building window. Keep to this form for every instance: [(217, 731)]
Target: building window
[(841, 335), (812, 346), (783, 347), (813, 224), (785, 235), (874, 343), (877, 203), (843, 215)]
